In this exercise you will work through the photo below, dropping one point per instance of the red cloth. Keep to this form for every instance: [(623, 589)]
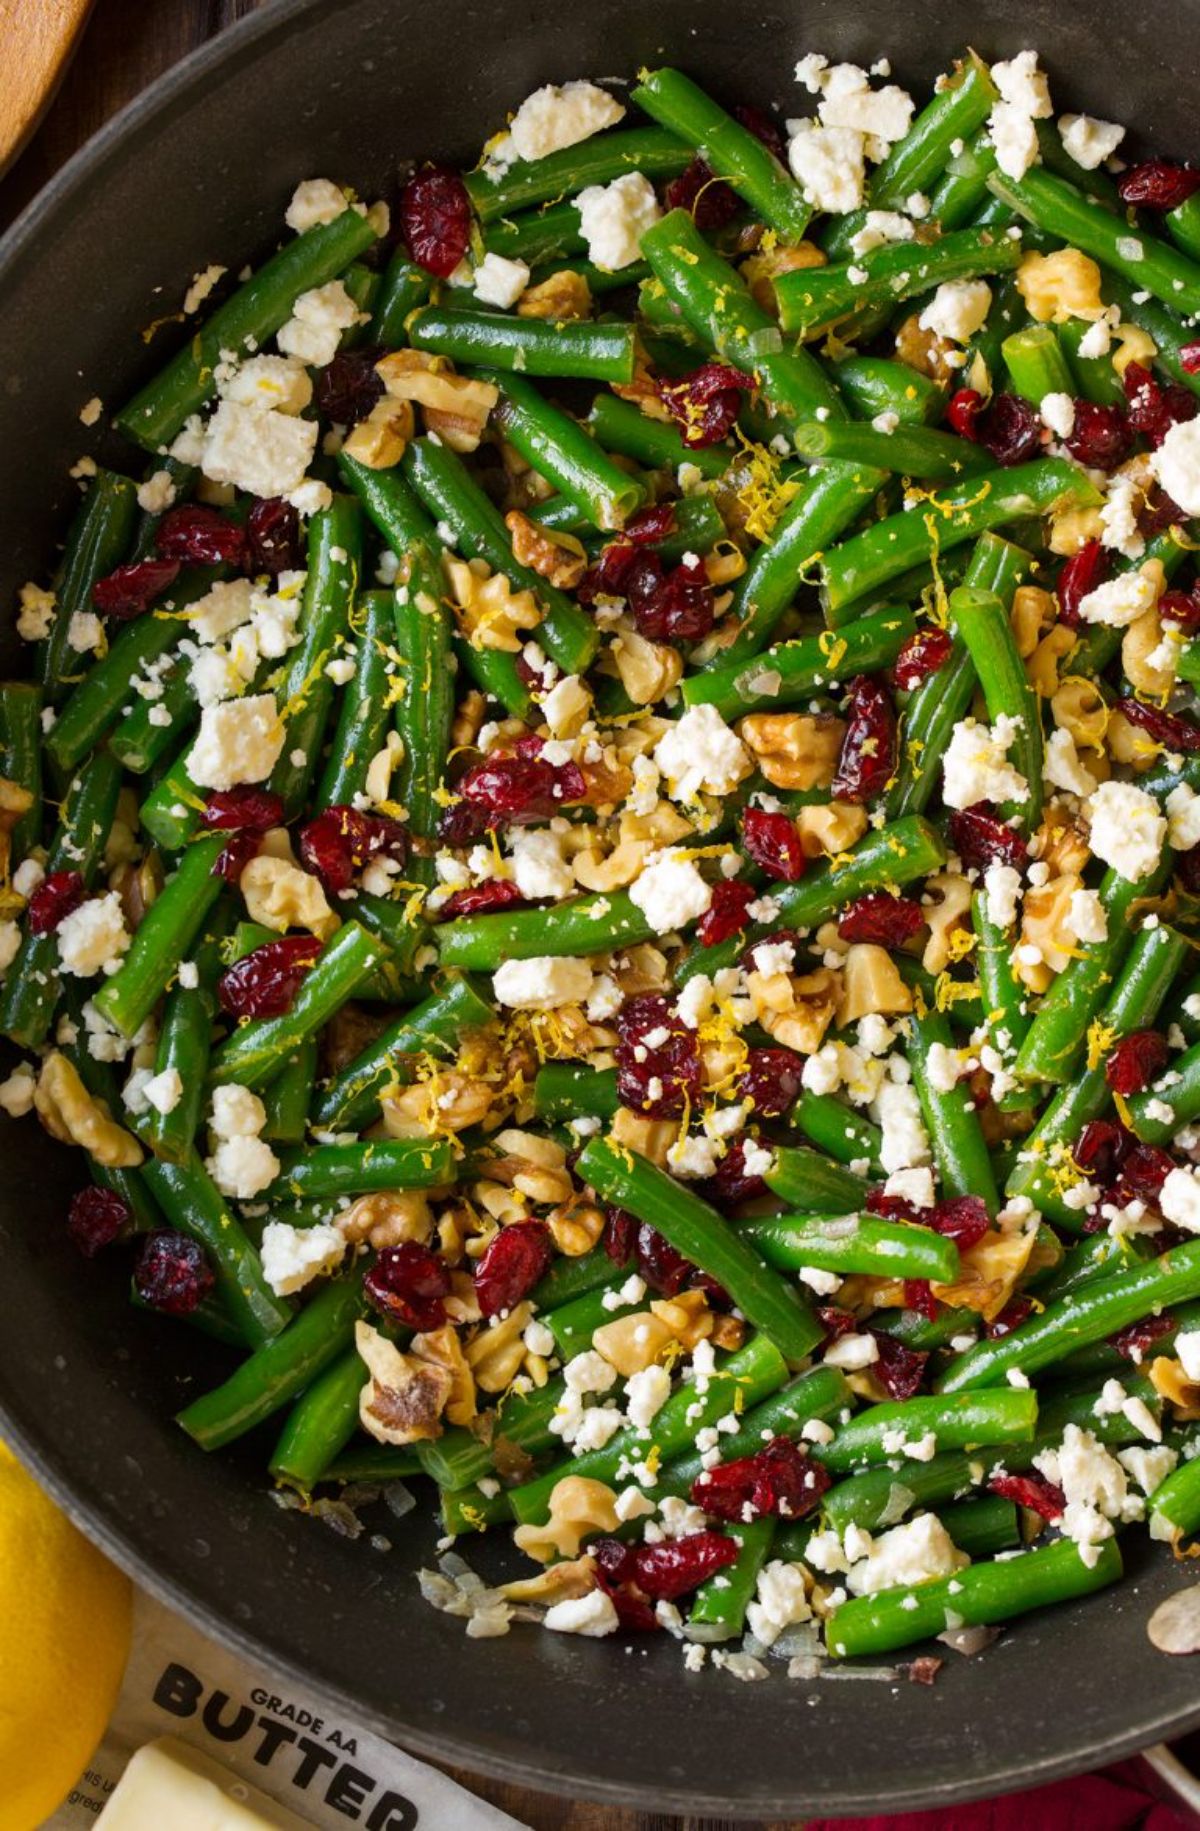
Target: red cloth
[(1115, 1800)]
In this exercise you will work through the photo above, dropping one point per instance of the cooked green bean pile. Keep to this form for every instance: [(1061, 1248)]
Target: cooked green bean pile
[(601, 853)]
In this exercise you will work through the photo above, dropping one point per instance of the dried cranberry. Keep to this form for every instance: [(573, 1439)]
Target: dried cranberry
[(255, 809), (658, 1058), (409, 1285), (1136, 1061), (341, 840), (727, 914), (55, 898), (706, 402), (233, 858), (778, 937), (1033, 1491), (510, 790), (773, 842), (1102, 1146), (1189, 358), (1157, 184), (435, 217), (664, 1270), (462, 823), (891, 1207), (835, 1322), (201, 536), (879, 917), (771, 1079), (922, 655), (347, 388), (515, 1260), (1100, 437), (1145, 1170), (899, 1370), (1154, 407), (1132, 1342), (616, 1572), (1166, 728), (730, 1185), (761, 126), (1016, 1311), (981, 839), (868, 755), (1010, 429), (711, 202), (130, 590), (497, 893), (1080, 576), (918, 1296), (607, 576), (172, 1273), (963, 413), (96, 1218), (264, 983), (619, 1238), (676, 1567), (1182, 608), (961, 1218), (780, 1479), (674, 606), (273, 541)]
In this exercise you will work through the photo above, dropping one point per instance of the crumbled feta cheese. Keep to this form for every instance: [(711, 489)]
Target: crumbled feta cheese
[(278, 384), (539, 868), (852, 1352), (943, 1066), (1119, 513), (905, 1141), (263, 453), (499, 281), (554, 117), (780, 1602), (36, 612), (314, 201), (1095, 1486), (1127, 831), (319, 317), (593, 1615), (692, 1158), (827, 163), (85, 632), (293, 1256), (1087, 919), (1176, 464), (915, 1186), (93, 937), (614, 217), (700, 754), (239, 741), (1014, 137), (1063, 767), (1179, 1200), (957, 309), (1183, 817), (164, 1091), (915, 1552), (645, 1395), (542, 983), (1002, 886), (1058, 414), (670, 893), (156, 493), (975, 766), (243, 1167), (1088, 141), (237, 1112), (879, 228), (16, 1091)]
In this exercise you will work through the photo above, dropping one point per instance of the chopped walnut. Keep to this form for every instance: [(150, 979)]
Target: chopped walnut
[(794, 749), (405, 1396), (634, 1342), (647, 670), (1043, 667), (560, 558), (442, 1348), (564, 297), (496, 1353), (381, 440), (871, 985), (1045, 925), (924, 350), (650, 1138), (386, 1218), (832, 829), (948, 913), (491, 613), (448, 1102), (562, 1582), (815, 998), (1033, 610), (579, 1509), (280, 896), (575, 1226), (460, 404), (760, 271), (1078, 706), (1150, 666), (469, 715), (74, 1116)]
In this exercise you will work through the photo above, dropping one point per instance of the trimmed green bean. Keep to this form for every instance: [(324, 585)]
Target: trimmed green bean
[(649, 150), (837, 1129), (619, 426), (96, 542), (565, 1090), (729, 150), (184, 1044), (1036, 364), (965, 1421), (563, 452), (320, 1423), (258, 1049), (1174, 1506), (797, 669), (163, 937), (853, 1243), (908, 451), (21, 756), (350, 1101), (460, 1457), (306, 694), (191, 1201), (981, 619), (718, 1610), (950, 1117), (358, 1169), (809, 1183), (587, 349), (812, 299), (404, 287), (364, 716)]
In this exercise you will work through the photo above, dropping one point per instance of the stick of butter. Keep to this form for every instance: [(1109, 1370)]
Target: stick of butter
[(168, 1783)]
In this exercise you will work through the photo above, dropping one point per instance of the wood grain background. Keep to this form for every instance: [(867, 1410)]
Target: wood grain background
[(126, 44)]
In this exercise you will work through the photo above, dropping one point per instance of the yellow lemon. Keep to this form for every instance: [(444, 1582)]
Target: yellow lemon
[(65, 1612)]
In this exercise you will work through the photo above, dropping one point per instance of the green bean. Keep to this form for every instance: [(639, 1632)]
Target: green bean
[(729, 150), (837, 1129), (21, 756), (962, 188), (1099, 1359), (358, 1169), (1181, 1098), (698, 525), (405, 286), (184, 1043), (649, 150), (364, 716), (1058, 1034), (853, 1243), (96, 702), (825, 506), (1004, 999), (1097, 1255), (256, 1052), (718, 306), (619, 426), (538, 237), (983, 1527), (163, 937), (183, 481), (368, 1461), (289, 1095), (965, 1421), (1035, 363), (30, 987), (320, 1423), (892, 855), (350, 1101), (753, 1372), (812, 299), (1053, 204), (151, 727), (867, 561), (1085, 1316), (425, 708), (981, 619), (403, 935), (876, 384), (569, 1279), (280, 1370), (210, 1316), (306, 693), (563, 452), (808, 1182), (1174, 1507), (950, 1117), (795, 670), (699, 1233), (566, 1090), (96, 542), (718, 1610), (191, 1201), (461, 1457), (881, 1497), (821, 1395), (1006, 315), (582, 925), (246, 321), (443, 483), (907, 451), (978, 1595), (1092, 377), (1142, 983), (586, 349)]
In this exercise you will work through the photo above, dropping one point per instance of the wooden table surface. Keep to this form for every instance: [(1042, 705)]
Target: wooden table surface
[(126, 44)]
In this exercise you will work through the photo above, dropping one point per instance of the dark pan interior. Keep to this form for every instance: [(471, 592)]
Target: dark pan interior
[(200, 171)]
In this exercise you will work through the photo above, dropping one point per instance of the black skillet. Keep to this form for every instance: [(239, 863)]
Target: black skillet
[(199, 170)]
